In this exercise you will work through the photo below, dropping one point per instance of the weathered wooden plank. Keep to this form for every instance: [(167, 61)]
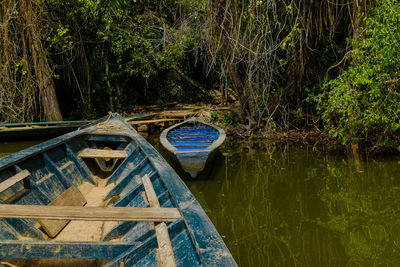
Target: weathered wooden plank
[(71, 197), (177, 115), (102, 153), (61, 249), (150, 193), (13, 180), (164, 246), (89, 213), (152, 121), (165, 250)]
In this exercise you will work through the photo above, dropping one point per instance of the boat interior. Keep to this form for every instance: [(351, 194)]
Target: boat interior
[(192, 135), (60, 206)]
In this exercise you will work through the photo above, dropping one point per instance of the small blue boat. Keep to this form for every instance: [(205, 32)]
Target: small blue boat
[(101, 195), (193, 143)]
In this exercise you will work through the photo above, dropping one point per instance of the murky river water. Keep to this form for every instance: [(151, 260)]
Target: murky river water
[(298, 205)]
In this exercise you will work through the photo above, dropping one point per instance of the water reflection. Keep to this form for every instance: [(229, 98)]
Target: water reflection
[(264, 208), (298, 205), (7, 148)]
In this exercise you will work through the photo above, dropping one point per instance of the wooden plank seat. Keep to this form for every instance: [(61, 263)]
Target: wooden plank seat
[(89, 213), (24, 174), (102, 153)]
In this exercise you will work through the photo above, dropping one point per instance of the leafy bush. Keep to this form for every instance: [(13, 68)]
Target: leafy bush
[(231, 118), (364, 101), (214, 117)]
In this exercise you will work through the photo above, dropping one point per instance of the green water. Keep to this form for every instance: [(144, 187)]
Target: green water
[(299, 205), (7, 148)]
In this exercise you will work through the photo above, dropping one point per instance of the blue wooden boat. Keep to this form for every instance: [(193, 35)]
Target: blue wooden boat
[(193, 143), (101, 195)]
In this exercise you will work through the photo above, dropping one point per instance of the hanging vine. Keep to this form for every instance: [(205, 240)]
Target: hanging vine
[(26, 84)]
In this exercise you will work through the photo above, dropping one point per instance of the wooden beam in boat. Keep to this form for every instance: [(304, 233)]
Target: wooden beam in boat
[(133, 214), (153, 121), (102, 153), (14, 179), (165, 250), (164, 246), (150, 193), (71, 197)]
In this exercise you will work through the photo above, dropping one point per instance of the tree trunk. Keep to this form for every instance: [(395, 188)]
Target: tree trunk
[(110, 95), (231, 68), (359, 7), (41, 65)]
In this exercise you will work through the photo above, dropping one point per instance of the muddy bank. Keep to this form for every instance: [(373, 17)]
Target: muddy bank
[(226, 117)]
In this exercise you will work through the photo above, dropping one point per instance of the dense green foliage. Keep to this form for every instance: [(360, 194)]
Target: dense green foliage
[(270, 51), (121, 53), (364, 101), (270, 56)]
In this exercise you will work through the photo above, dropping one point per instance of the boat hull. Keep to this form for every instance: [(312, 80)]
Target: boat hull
[(135, 202)]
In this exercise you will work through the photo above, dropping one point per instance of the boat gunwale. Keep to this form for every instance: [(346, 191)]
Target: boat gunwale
[(164, 140)]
